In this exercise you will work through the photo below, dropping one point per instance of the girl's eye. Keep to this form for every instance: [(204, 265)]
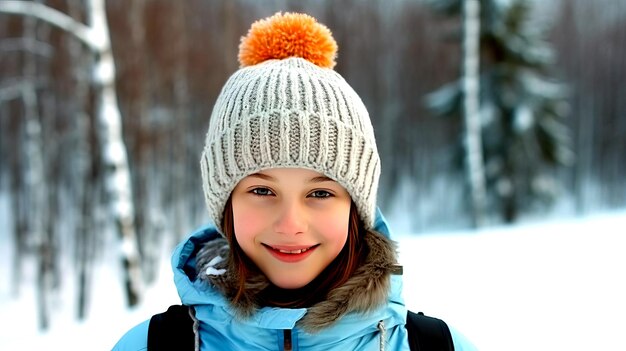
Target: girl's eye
[(320, 194), (262, 191)]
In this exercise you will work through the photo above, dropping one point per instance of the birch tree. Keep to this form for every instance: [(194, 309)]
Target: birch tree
[(522, 111), (109, 127), (463, 97), (471, 87)]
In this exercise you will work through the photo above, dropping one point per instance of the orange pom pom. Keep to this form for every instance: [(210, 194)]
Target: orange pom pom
[(282, 36)]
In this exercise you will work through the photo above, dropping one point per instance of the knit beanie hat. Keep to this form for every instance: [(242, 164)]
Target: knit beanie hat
[(287, 108)]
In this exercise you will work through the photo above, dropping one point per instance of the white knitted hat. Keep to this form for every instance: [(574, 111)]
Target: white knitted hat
[(287, 112)]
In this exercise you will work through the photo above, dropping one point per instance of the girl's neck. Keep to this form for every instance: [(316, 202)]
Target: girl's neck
[(303, 297)]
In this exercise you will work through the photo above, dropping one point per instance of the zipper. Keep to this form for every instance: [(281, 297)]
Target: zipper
[(287, 344)]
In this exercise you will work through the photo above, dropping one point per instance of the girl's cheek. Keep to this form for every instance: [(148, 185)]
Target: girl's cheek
[(248, 221), (335, 228)]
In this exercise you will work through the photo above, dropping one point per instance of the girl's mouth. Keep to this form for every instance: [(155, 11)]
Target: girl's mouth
[(290, 254), (290, 249)]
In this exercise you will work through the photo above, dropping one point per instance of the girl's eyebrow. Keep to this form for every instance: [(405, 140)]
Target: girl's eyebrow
[(262, 176), (321, 179)]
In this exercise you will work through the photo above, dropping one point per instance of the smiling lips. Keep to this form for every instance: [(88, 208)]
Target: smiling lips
[(290, 254)]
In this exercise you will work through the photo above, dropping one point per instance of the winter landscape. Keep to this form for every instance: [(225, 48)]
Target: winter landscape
[(517, 129)]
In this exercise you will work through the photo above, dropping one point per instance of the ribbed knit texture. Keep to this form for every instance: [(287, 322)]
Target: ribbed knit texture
[(290, 113)]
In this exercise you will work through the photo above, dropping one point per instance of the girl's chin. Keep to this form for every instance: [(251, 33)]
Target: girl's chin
[(290, 285), (289, 281)]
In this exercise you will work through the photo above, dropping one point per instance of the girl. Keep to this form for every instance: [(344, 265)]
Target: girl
[(299, 258)]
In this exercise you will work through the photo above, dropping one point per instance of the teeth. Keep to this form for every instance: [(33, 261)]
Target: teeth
[(295, 252)]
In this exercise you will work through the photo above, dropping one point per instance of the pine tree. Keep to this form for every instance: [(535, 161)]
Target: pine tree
[(522, 109)]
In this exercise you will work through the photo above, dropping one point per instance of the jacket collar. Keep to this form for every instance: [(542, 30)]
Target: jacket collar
[(366, 291)]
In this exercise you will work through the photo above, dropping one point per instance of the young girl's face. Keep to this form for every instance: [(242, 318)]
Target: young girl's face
[(291, 222)]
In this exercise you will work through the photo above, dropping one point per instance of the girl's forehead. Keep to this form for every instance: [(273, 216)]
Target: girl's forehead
[(289, 177), (290, 173)]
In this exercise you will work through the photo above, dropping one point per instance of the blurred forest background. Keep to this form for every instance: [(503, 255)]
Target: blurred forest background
[(552, 79)]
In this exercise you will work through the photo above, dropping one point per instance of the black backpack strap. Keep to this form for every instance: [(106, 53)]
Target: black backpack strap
[(171, 330), (428, 333)]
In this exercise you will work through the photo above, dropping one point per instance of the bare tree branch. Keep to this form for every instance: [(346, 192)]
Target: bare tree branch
[(27, 44), (14, 88), (55, 18)]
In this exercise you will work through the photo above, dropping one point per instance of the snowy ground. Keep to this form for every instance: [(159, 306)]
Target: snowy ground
[(554, 286)]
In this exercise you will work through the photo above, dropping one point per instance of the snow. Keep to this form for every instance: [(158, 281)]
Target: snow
[(550, 286), (544, 286)]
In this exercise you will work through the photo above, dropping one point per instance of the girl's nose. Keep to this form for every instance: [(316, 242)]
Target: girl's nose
[(291, 219)]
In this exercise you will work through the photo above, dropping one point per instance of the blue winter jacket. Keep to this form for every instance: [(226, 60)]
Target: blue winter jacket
[(219, 329)]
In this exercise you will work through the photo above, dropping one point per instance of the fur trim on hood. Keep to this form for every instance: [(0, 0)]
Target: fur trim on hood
[(365, 291)]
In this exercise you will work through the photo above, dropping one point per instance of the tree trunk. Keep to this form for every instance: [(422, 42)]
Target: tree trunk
[(471, 112), (118, 180), (182, 206), (142, 180), (85, 246), (86, 174), (89, 187), (36, 186), (18, 207)]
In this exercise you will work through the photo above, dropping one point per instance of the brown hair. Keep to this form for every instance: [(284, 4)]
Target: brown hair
[(334, 275)]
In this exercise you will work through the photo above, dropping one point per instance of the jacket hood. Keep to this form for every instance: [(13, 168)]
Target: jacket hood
[(202, 280)]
